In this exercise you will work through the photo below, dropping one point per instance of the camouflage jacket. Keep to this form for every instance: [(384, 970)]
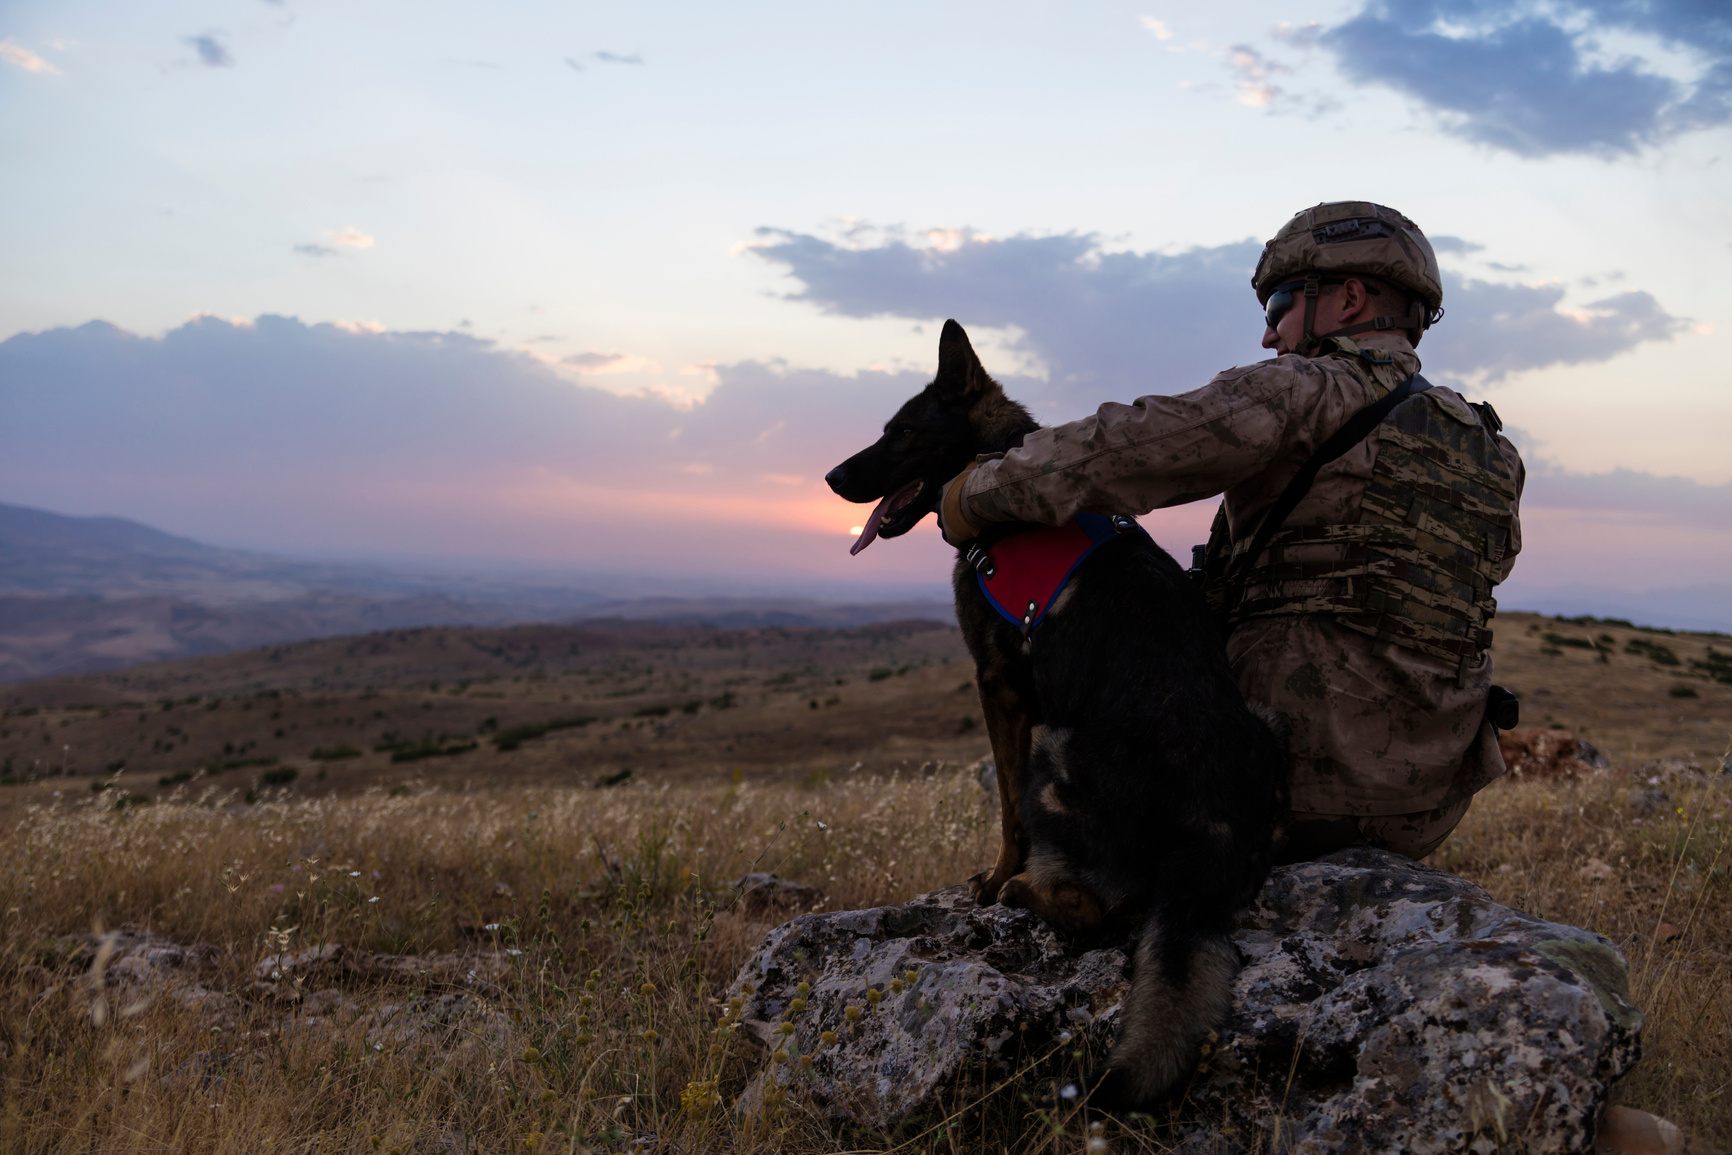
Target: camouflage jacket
[(1374, 730)]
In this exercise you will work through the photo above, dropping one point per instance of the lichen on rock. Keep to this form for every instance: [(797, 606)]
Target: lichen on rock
[(1384, 1006)]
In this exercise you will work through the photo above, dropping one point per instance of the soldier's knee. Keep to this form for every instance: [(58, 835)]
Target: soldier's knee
[(1414, 835)]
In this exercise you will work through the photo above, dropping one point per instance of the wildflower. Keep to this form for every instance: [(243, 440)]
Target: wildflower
[(647, 990), (548, 1096), (895, 986), (829, 1038), (852, 1014), (375, 898), (805, 1062), (531, 1055), (650, 1036), (532, 1140), (796, 1006), (588, 1094), (1068, 1092), (873, 995), (779, 1055), (583, 1022), (804, 989), (910, 976), (785, 1028)]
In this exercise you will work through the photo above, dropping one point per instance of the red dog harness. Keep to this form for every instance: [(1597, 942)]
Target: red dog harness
[(1023, 574)]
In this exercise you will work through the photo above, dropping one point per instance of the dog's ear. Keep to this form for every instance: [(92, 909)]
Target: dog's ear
[(960, 373)]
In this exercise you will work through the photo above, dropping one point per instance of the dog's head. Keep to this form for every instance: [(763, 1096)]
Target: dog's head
[(962, 414)]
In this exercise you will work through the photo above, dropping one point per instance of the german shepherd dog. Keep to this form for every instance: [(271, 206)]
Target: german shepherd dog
[(1137, 790)]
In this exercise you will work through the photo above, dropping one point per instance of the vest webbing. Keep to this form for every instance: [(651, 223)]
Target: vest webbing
[(1416, 569)]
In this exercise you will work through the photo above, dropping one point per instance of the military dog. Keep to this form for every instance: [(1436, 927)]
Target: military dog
[(1137, 790)]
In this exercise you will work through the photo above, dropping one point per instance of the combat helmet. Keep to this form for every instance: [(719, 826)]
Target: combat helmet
[(1321, 245)]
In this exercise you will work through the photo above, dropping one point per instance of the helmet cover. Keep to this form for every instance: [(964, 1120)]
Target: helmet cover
[(1348, 237)]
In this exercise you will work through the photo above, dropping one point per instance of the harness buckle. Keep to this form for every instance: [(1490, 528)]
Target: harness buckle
[(978, 557), (1123, 523)]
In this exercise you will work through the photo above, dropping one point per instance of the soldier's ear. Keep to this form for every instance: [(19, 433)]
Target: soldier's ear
[(960, 373)]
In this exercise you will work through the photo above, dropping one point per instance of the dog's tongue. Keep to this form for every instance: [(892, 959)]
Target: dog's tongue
[(894, 503)]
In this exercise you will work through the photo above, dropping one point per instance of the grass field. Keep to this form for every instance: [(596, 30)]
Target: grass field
[(597, 921)]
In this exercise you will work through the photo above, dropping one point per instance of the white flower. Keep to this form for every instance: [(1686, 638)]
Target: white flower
[(375, 898), (1069, 1092)]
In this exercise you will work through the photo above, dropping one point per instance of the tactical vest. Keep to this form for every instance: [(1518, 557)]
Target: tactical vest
[(1416, 569)]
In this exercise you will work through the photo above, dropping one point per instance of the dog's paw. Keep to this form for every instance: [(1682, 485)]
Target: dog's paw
[(984, 887), (1016, 892)]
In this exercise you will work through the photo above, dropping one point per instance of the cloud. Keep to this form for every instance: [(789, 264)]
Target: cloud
[(1539, 79), (615, 58), (1446, 244), (353, 238), (1126, 323), (211, 52), (1493, 330), (1254, 70), (1629, 491), (1157, 28), (604, 364), (22, 57), (285, 435), (291, 435), (311, 250), (576, 66)]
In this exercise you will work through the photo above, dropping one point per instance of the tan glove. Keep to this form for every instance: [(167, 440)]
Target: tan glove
[(953, 520)]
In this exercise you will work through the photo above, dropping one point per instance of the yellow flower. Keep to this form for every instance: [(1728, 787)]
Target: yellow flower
[(804, 989), (650, 1036), (852, 1013), (785, 1028), (796, 1006), (779, 1055), (647, 990), (895, 986), (531, 1055), (873, 994), (829, 1038)]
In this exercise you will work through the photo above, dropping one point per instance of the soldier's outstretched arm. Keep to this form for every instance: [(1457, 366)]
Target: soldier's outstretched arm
[(1162, 450)]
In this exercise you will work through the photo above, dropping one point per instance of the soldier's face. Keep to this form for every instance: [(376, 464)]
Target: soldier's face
[(1287, 333)]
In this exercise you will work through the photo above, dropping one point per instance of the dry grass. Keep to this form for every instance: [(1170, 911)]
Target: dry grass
[(604, 1027)]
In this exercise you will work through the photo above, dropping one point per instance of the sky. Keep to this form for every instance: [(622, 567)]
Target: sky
[(612, 286)]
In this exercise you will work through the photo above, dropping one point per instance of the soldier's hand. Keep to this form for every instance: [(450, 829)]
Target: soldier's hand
[(953, 519)]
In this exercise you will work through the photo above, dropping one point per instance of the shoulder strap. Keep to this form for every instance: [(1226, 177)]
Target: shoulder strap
[(1355, 430)]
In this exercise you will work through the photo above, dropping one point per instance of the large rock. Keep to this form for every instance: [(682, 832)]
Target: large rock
[(1384, 1007)]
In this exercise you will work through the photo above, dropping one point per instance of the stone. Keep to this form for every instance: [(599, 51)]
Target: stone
[(762, 894), (1532, 752), (1384, 1006)]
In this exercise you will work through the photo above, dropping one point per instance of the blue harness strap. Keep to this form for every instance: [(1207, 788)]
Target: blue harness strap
[(1023, 574)]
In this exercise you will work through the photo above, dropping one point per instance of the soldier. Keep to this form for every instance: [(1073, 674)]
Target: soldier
[(1364, 621)]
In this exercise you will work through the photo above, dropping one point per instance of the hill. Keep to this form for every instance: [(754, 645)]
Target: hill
[(79, 594), (574, 704)]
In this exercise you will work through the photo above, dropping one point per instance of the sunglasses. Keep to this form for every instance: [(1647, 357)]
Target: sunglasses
[(1281, 301)]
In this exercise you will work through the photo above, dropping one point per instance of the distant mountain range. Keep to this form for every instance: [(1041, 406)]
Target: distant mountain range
[(90, 593)]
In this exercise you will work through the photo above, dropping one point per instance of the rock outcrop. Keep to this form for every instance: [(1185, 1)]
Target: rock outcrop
[(1384, 1006)]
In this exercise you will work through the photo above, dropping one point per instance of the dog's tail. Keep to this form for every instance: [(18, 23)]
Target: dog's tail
[(1181, 990)]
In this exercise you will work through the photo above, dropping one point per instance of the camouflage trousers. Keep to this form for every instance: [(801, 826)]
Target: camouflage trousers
[(1308, 836)]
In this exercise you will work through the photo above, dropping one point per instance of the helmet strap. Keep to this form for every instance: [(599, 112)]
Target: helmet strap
[(1309, 343), (1417, 321)]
